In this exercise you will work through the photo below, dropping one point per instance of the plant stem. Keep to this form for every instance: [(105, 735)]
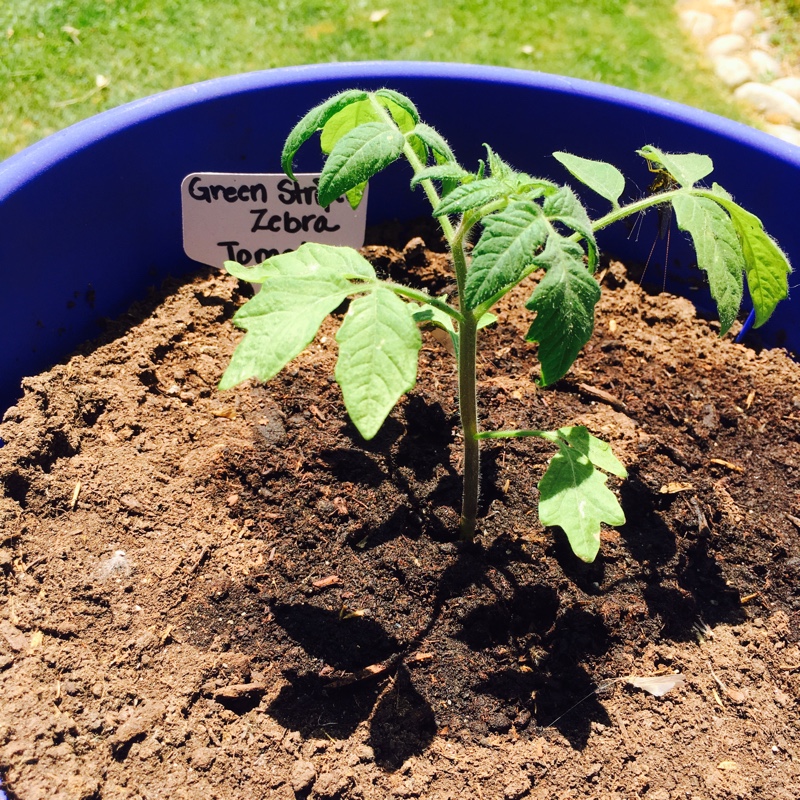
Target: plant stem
[(468, 407), (633, 208), (430, 191), (467, 354), (467, 390), (423, 297), (551, 436)]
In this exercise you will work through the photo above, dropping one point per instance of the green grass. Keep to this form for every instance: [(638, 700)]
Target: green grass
[(784, 19), (52, 52)]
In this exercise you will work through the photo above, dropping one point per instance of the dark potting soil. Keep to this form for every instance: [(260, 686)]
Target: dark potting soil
[(230, 595)]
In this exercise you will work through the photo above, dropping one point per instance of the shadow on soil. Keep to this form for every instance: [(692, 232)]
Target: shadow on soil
[(363, 678), (501, 638), (684, 585), (367, 675)]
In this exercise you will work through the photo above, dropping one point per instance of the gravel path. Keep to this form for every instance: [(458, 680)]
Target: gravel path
[(736, 37)]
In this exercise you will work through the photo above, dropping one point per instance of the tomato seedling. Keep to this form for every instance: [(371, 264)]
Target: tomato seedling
[(521, 225)]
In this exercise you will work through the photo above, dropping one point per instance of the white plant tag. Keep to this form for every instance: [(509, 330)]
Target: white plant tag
[(249, 217)]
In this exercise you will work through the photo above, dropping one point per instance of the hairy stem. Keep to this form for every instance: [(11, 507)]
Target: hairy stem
[(467, 352), (423, 297), (633, 208), (468, 407), (430, 191), (467, 391), (551, 436)]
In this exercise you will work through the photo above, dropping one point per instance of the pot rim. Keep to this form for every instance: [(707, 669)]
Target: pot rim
[(21, 168)]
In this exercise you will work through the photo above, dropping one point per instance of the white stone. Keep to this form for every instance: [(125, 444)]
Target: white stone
[(700, 24), (772, 102), (785, 132), (790, 86), (744, 21), (732, 70), (726, 45), (767, 68), (762, 40)]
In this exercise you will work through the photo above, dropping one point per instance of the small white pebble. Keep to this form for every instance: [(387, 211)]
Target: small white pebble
[(744, 21), (767, 68), (698, 23), (726, 45), (732, 70)]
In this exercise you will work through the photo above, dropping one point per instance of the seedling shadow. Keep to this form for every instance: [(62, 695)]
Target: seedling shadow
[(647, 537), (353, 671), (354, 465), (426, 445), (697, 589), (358, 657), (527, 619), (310, 705), (345, 644), (588, 577), (402, 724)]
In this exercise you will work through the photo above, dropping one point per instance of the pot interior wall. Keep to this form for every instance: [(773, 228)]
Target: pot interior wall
[(91, 217)]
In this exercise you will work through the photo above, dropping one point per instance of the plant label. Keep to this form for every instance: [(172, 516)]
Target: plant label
[(249, 218)]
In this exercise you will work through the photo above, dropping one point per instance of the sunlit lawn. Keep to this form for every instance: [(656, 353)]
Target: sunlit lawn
[(61, 61)]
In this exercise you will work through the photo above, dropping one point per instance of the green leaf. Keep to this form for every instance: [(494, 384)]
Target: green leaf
[(564, 302), (471, 195), (596, 450), (397, 100), (356, 195), (574, 496), (517, 183), (433, 139), (435, 316), (497, 167), (719, 253), (486, 319), (686, 168), (312, 122), (564, 207), (418, 146), (532, 188), (357, 156), (507, 246), (346, 120), (378, 347), (602, 178), (440, 172), (298, 292), (766, 265), (361, 112), (720, 192), (307, 259), (403, 112)]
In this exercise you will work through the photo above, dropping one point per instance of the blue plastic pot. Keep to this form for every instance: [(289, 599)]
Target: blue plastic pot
[(90, 217)]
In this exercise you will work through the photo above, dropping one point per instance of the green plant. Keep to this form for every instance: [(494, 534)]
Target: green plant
[(526, 225)]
